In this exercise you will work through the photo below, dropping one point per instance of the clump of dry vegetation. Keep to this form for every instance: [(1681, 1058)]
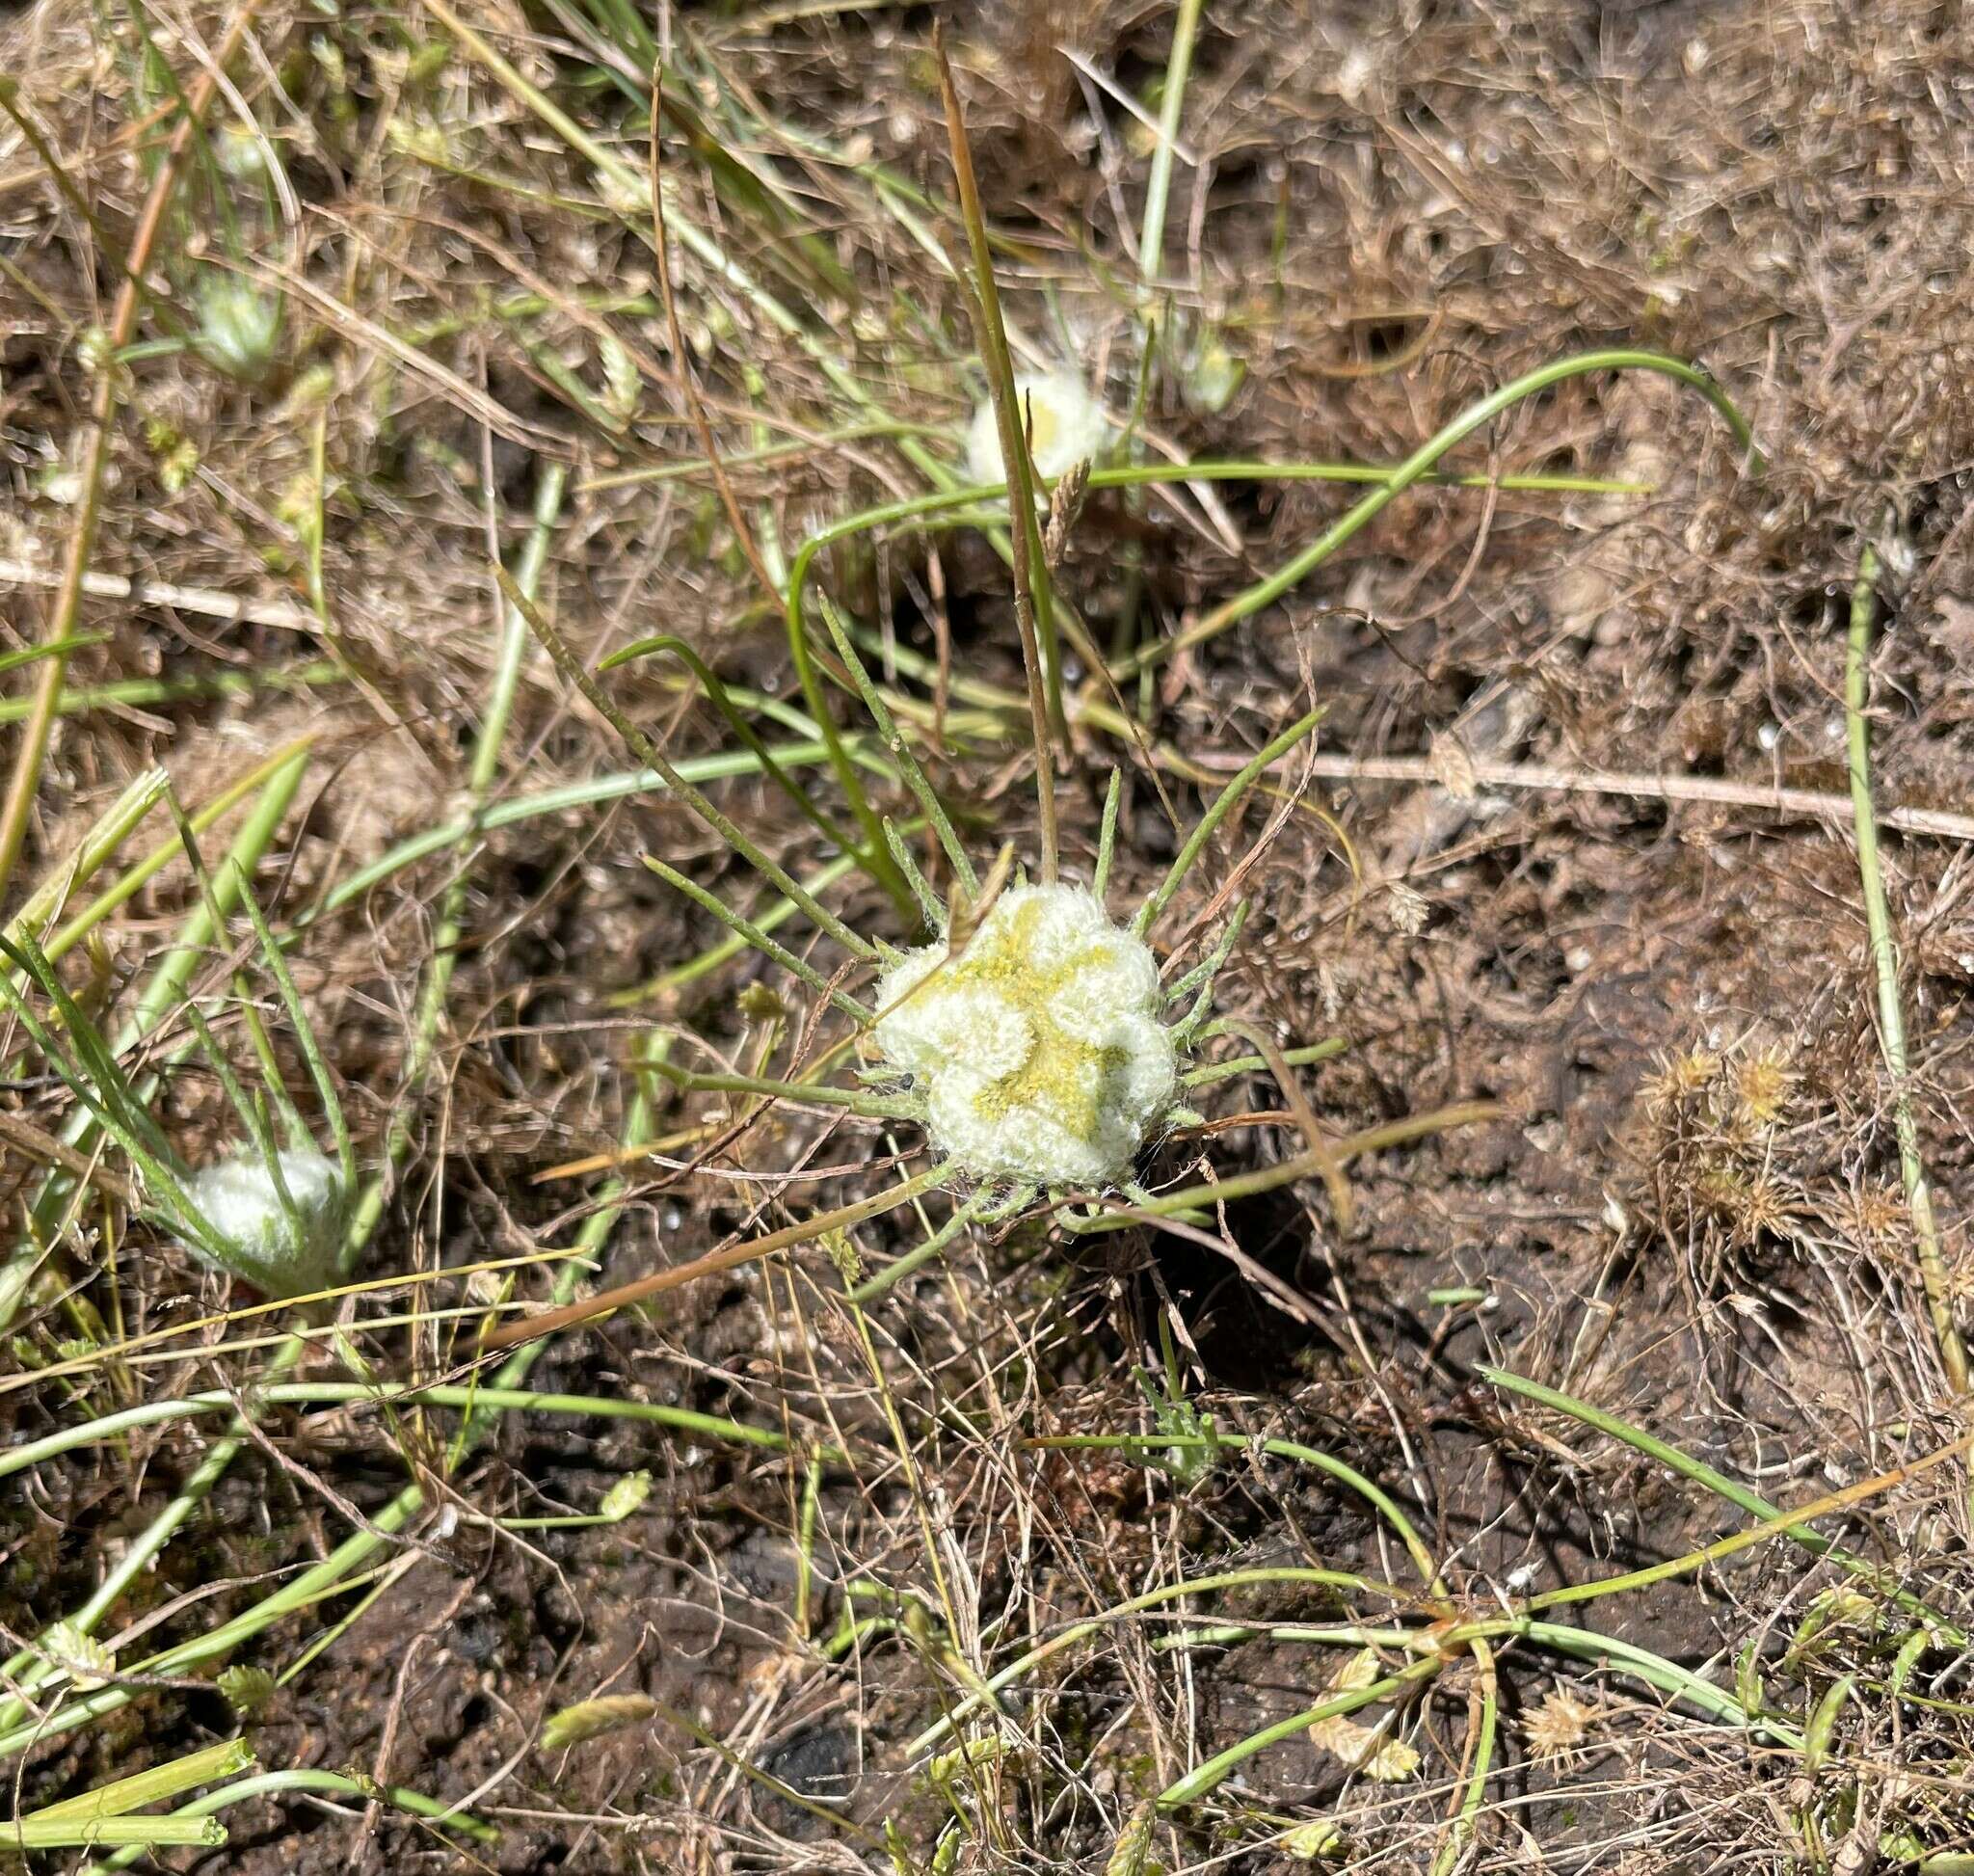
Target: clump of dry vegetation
[(507, 650)]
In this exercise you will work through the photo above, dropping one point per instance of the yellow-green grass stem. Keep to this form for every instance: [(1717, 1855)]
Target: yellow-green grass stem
[(652, 757), (335, 1784), (390, 1393), (1579, 1644), (159, 1534), (368, 1210), (1885, 960), (1664, 1452), (1033, 613), (1230, 797), (722, 701), (947, 504), (1082, 1630), (1151, 247), (1423, 460)]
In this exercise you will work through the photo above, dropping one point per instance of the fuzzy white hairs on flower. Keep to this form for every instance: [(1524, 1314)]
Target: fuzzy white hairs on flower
[(1038, 1050), (1065, 426), (282, 1254)]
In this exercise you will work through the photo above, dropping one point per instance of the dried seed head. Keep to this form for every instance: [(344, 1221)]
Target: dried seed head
[(1881, 1216), (1764, 1086), (1680, 1078), (1559, 1725), (1750, 1203)]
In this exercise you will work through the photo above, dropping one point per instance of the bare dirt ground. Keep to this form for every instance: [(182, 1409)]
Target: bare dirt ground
[(1688, 1212)]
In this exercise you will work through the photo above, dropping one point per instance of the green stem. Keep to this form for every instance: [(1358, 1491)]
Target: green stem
[(149, 692), (163, 993), (1414, 468), (489, 1399), (752, 934), (336, 1784), (819, 1094), (368, 1208), (947, 504), (1579, 1644), (964, 1215), (28, 1670), (1151, 247), (1202, 1778), (1734, 1493), (1228, 800), (1233, 1579), (1884, 958)]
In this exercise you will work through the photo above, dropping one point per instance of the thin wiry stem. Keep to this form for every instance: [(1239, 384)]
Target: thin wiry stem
[(1220, 1071), (367, 1207), (908, 764), (677, 976), (1857, 1568), (946, 507), (1884, 958), (964, 1214), (817, 1095), (720, 697), (654, 757), (862, 1014), (1285, 1172), (1227, 801), (682, 357), (304, 1030), (929, 907), (1483, 412)]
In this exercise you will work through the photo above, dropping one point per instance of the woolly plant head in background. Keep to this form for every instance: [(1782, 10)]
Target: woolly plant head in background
[(270, 1211)]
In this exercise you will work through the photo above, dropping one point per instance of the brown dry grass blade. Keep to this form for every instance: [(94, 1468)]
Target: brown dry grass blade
[(1014, 455)]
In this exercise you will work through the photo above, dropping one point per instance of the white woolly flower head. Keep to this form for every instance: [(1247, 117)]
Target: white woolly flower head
[(1065, 426), (284, 1249), (1038, 1050)]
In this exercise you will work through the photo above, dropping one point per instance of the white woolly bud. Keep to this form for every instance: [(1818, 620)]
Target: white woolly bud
[(1039, 1049), (282, 1251), (1064, 422)]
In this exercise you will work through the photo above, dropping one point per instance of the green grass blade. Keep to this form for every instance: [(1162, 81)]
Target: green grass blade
[(1228, 800)]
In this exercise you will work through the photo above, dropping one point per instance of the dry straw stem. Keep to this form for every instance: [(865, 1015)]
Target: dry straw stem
[(1045, 701), (726, 1258), (1885, 957), (25, 781), (1707, 789)]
